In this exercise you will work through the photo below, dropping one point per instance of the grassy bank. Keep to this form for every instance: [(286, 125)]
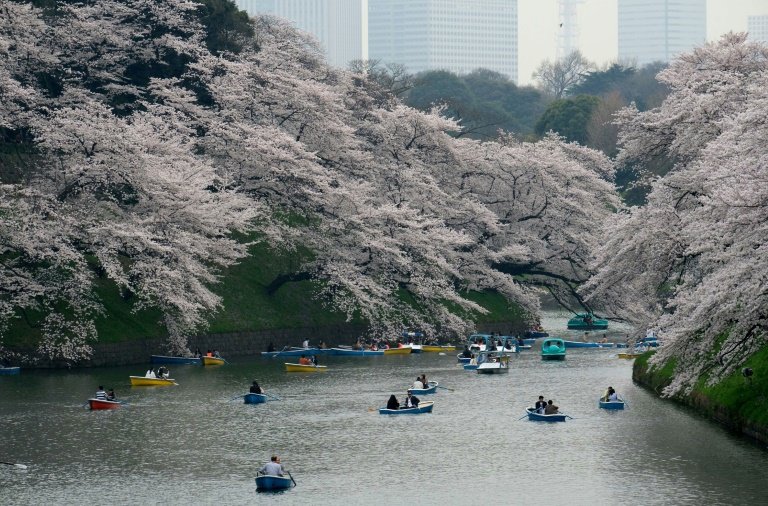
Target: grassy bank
[(739, 403)]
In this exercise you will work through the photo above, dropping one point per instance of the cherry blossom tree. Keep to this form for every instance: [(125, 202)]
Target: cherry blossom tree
[(692, 261)]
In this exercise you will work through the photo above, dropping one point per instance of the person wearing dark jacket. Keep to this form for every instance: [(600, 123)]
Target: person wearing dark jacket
[(392, 402), (411, 401), (256, 389)]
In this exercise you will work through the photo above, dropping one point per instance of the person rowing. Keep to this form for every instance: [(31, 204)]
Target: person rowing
[(273, 467), (411, 401), (255, 388)]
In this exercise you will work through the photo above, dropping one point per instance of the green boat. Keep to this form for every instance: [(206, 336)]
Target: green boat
[(587, 321), (553, 349)]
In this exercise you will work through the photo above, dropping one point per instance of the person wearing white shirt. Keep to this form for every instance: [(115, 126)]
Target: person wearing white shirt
[(273, 467)]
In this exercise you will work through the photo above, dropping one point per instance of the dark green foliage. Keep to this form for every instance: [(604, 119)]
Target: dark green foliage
[(568, 117), (225, 24), (482, 102), (633, 85)]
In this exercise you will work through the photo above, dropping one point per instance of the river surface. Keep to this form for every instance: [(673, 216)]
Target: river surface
[(192, 444)]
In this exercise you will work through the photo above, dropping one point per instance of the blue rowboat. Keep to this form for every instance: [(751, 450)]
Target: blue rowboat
[(587, 321), (254, 398), (419, 391), (293, 352), (470, 367), (424, 407), (271, 482), (162, 359), (580, 344), (611, 404), (9, 371), (553, 349), (462, 359), (536, 417), (357, 353)]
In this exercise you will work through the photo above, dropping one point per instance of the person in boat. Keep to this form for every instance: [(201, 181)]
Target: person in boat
[(255, 388), (321, 345), (392, 402), (305, 344), (313, 360), (304, 360), (150, 374), (209, 353), (540, 405), (424, 381), (216, 354), (466, 353), (418, 385), (273, 467), (520, 341), (163, 372), (198, 353), (611, 395), (111, 395), (270, 347), (551, 409), (411, 401), (101, 394)]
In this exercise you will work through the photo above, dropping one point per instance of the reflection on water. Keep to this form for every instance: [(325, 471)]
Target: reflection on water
[(192, 444)]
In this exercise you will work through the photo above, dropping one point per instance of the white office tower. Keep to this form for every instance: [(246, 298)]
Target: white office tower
[(757, 26), (659, 30), (568, 29), (339, 25), (454, 35)]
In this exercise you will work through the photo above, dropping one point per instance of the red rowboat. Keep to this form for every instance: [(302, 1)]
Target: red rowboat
[(99, 404)]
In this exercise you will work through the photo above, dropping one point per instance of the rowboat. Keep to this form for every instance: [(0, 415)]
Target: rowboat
[(536, 417), (481, 342), (415, 348), (470, 366), (356, 353), (432, 388), (424, 407), (254, 398), (429, 348), (272, 482), (143, 381), (581, 344), (103, 404), (628, 355), (587, 321), (213, 361), (462, 359), (493, 365), (553, 349), (405, 350), (162, 359), (611, 404), (304, 368), (9, 371)]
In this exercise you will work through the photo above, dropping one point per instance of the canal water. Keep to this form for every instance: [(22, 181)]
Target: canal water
[(192, 444)]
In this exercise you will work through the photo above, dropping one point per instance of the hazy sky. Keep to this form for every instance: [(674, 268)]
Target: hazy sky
[(539, 22)]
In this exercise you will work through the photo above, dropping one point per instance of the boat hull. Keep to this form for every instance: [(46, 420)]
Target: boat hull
[(628, 355), (162, 359), (398, 351), (492, 369), (424, 407), (580, 344), (611, 404), (254, 398), (427, 348), (584, 322), (9, 371), (269, 482), (470, 367), (421, 391), (304, 368), (415, 348), (553, 349), (213, 361), (535, 417), (96, 404), (142, 381)]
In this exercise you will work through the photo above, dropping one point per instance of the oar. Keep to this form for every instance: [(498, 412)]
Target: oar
[(238, 397), (279, 352), (289, 474), (273, 397), (20, 466), (568, 416), (446, 388), (521, 417)]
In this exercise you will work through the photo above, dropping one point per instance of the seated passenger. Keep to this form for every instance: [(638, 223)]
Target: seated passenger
[(418, 385), (255, 388), (411, 401), (551, 409), (304, 361), (392, 402)]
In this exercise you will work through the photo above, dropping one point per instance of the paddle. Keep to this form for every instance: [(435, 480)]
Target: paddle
[(272, 397), (238, 397), (279, 352), (289, 474), (446, 388), (568, 416), (20, 466), (525, 415)]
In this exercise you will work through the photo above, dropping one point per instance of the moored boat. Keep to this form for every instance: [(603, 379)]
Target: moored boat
[(537, 417), (432, 388), (424, 407), (213, 361), (587, 321), (250, 398), (356, 353), (430, 348), (272, 482), (143, 381), (9, 371), (103, 404), (582, 344), (553, 349), (304, 368), (405, 350), (162, 359), (611, 404)]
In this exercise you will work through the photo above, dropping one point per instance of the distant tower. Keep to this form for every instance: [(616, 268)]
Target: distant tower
[(568, 31), (758, 28)]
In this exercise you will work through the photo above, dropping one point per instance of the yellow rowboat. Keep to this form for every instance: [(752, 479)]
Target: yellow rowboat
[(398, 351), (213, 361), (142, 381), (428, 348), (304, 368), (628, 355)]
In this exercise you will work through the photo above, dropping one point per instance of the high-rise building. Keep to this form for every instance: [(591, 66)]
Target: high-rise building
[(339, 25), (659, 30), (757, 26), (455, 35)]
